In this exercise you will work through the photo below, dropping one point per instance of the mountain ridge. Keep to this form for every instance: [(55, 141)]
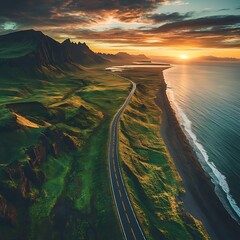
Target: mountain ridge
[(81, 53), (33, 49), (123, 56)]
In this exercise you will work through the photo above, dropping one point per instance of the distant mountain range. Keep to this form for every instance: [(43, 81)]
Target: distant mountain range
[(123, 56), (33, 49), (197, 59), (216, 59)]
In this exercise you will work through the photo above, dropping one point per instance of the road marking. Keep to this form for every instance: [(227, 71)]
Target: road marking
[(120, 192), (133, 234), (127, 218), (123, 206)]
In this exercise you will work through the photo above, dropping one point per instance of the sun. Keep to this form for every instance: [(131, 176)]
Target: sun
[(183, 56)]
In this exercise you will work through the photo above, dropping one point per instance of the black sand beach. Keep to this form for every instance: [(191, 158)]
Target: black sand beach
[(200, 199)]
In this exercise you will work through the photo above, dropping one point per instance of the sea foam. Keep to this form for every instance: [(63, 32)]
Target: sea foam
[(217, 177)]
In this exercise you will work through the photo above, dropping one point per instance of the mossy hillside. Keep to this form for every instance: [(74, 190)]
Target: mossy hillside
[(15, 49), (74, 201), (151, 178)]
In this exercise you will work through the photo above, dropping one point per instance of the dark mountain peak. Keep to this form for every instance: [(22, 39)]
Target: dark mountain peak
[(84, 46), (127, 55), (28, 37), (27, 31), (67, 41), (81, 53), (122, 54), (142, 56), (22, 36), (32, 49), (31, 32)]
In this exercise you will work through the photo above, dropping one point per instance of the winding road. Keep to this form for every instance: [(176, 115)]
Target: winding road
[(129, 223)]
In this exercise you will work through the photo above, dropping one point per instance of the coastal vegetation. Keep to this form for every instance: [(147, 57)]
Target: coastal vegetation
[(152, 181)]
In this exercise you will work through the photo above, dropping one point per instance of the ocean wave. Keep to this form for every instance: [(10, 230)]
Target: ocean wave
[(216, 176)]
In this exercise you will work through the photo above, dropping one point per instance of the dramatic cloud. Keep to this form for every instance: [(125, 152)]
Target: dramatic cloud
[(30, 12), (199, 23), (168, 17), (217, 32), (214, 31), (132, 23), (121, 5)]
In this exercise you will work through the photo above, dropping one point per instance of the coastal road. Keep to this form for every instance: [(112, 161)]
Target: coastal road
[(128, 220)]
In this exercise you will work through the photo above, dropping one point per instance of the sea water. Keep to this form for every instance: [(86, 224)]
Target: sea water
[(206, 99)]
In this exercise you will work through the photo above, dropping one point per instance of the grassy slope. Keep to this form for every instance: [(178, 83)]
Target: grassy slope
[(152, 180), (10, 50), (75, 200)]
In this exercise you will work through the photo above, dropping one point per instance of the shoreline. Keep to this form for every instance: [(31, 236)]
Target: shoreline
[(200, 198)]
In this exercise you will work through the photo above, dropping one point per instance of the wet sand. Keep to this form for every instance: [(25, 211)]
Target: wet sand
[(200, 199)]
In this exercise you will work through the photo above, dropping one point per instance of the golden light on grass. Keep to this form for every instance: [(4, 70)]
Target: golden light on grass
[(183, 56), (25, 122)]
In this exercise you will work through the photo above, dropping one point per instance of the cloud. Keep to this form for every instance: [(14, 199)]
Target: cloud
[(214, 37), (214, 31), (168, 17), (120, 5), (199, 23), (176, 3), (223, 9), (211, 32), (90, 20), (9, 26), (30, 12)]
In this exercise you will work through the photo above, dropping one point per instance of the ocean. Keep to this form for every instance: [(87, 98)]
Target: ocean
[(206, 99)]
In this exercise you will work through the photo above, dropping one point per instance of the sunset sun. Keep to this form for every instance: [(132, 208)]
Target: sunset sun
[(183, 56)]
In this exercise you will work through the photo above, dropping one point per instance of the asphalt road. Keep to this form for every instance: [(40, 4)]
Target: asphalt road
[(129, 223)]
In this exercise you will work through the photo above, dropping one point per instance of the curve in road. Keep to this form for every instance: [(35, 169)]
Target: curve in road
[(129, 223)]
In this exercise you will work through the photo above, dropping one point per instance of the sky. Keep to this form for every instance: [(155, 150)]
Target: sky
[(154, 27)]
